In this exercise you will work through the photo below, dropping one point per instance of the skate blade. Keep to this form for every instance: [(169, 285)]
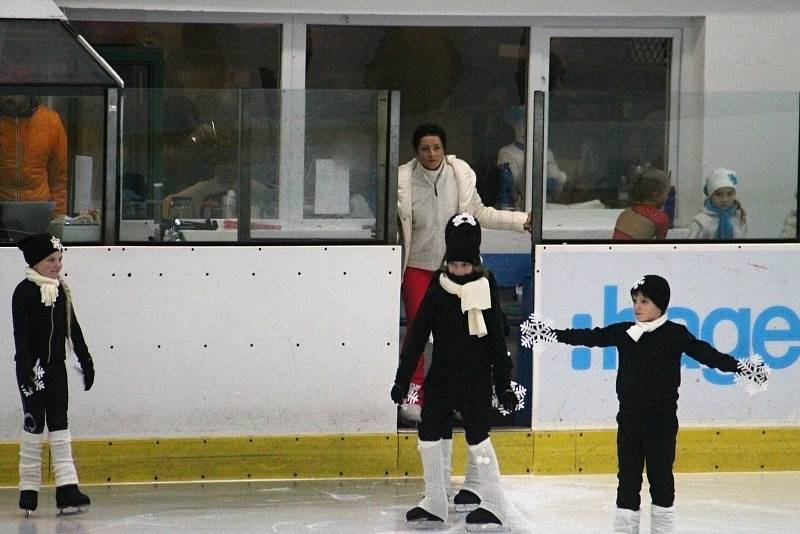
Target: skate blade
[(466, 507), (28, 513), (72, 510), (486, 527), (426, 524)]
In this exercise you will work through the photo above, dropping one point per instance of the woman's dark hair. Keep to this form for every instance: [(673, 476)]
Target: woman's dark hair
[(429, 129)]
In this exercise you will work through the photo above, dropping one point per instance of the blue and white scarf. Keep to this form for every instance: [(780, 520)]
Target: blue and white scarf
[(725, 227)]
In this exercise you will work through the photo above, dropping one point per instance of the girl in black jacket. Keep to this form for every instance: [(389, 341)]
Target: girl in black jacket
[(43, 323), (461, 310)]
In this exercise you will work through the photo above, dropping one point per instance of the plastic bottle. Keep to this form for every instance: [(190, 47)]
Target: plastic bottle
[(505, 199), (669, 206), (229, 205)]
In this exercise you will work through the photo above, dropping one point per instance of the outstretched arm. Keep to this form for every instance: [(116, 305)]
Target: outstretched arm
[(590, 337)]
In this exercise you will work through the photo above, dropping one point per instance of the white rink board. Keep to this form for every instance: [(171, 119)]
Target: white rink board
[(221, 340), (740, 295)]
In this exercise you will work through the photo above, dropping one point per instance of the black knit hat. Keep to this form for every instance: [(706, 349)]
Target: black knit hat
[(37, 247), (462, 238), (655, 288)]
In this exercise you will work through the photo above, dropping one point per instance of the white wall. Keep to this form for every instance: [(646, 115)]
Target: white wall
[(753, 51), (324, 343)]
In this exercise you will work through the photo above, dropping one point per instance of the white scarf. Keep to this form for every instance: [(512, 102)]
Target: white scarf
[(47, 286), (475, 296), (640, 328)]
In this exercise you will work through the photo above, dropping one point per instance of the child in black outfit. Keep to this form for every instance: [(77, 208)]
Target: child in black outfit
[(44, 321), (648, 377), (461, 309)]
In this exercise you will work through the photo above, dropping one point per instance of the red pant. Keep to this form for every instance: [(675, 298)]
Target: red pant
[(414, 286)]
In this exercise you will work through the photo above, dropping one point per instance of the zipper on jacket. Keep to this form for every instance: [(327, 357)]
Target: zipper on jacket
[(50, 339)]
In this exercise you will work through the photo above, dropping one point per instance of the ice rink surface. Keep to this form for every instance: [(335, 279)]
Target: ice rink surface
[(747, 503)]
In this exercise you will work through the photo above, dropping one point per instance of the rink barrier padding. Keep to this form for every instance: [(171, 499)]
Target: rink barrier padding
[(395, 455)]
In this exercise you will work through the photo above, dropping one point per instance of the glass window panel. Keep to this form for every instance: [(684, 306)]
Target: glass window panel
[(341, 155), (195, 56), (206, 70), (608, 120), (754, 138), (471, 81), (45, 52), (52, 167), (325, 185)]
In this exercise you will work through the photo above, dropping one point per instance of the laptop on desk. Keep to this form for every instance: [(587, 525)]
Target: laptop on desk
[(19, 219)]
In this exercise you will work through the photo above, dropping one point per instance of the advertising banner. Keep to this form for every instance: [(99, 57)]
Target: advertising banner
[(743, 299)]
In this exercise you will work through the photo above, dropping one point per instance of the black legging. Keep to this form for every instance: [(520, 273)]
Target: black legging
[(474, 404), (48, 405), (646, 438)]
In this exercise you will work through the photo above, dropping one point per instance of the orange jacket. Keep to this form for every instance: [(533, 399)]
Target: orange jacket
[(33, 159)]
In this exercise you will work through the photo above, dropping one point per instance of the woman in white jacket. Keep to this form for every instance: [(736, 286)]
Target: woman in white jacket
[(432, 188)]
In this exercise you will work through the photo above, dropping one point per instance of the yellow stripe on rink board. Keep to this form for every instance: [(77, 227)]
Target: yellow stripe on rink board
[(236, 458), (393, 455), (738, 449)]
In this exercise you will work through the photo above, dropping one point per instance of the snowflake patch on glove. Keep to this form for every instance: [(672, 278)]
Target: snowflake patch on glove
[(752, 374), (537, 332), (413, 395), (519, 390)]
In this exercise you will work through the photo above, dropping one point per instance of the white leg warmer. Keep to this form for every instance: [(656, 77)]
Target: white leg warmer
[(61, 456), (662, 520), (30, 461), (447, 459), (435, 500), (471, 481), (488, 470), (626, 521)]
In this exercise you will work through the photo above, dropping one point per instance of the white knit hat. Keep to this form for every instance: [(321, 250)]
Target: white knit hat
[(720, 177)]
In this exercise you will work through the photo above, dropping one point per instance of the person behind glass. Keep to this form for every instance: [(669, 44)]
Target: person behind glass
[(44, 322), (722, 216), (644, 219), (461, 310), (33, 153), (432, 187), (207, 196), (648, 377)]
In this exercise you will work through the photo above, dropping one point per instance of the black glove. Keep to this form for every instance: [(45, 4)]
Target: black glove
[(508, 400), (398, 394), (87, 367)]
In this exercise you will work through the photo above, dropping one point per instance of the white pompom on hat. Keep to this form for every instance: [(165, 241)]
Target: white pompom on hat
[(720, 177)]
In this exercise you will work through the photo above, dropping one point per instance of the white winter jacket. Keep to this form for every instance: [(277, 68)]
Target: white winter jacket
[(705, 223), (468, 200)]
